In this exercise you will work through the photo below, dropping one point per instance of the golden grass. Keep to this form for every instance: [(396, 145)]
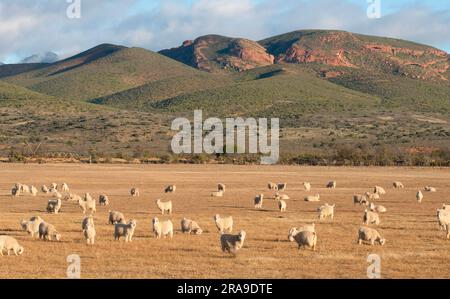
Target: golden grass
[(415, 247)]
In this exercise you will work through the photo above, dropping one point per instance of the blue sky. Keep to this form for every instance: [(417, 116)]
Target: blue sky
[(34, 26)]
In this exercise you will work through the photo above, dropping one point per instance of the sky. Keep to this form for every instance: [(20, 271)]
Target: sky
[(34, 26)]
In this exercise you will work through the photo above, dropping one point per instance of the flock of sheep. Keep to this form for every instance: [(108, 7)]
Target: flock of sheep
[(305, 237)]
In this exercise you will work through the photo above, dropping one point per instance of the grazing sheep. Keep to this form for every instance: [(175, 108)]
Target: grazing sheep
[(312, 198), (419, 196), (224, 223), (162, 228), (282, 205), (326, 211), (125, 230), (281, 186), (221, 187), (304, 238), (398, 185), (377, 208), (360, 199), (232, 243), (31, 226), (103, 200), (279, 196), (272, 186), (307, 186), (372, 196), (445, 207), (332, 185), (379, 190), (170, 189), (54, 186), (116, 217), (259, 201), (54, 206), (25, 189), (64, 187), (164, 206), (443, 217), (33, 190), (44, 189), (190, 227), (89, 233), (135, 192), (371, 218), (72, 197), (430, 189), (217, 194), (87, 204), (10, 244), (48, 232), (87, 221), (370, 235)]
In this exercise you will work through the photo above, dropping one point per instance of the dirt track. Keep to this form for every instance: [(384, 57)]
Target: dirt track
[(415, 247)]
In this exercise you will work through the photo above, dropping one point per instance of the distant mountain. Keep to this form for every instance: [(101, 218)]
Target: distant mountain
[(1, 63), (214, 52), (101, 71), (47, 57), (7, 70)]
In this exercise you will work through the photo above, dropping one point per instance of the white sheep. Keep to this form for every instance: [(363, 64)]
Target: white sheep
[(33, 191), (304, 238), (48, 232), (221, 187), (281, 186), (379, 190), (125, 230), (398, 185), (32, 226), (44, 189), (259, 201), (103, 200), (73, 197), (25, 188), (232, 243), (282, 205), (10, 244), (190, 227), (279, 196), (372, 196), (170, 189), (272, 186), (443, 217), (370, 235), (360, 199), (445, 207), (54, 206), (377, 208), (64, 187), (135, 192), (307, 186), (312, 198), (332, 185), (326, 211), (54, 186), (224, 223), (419, 196), (88, 197), (430, 189), (88, 204), (371, 218), (116, 217), (164, 206), (89, 232), (162, 228)]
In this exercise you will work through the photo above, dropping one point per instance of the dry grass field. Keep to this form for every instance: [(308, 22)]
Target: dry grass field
[(415, 247)]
